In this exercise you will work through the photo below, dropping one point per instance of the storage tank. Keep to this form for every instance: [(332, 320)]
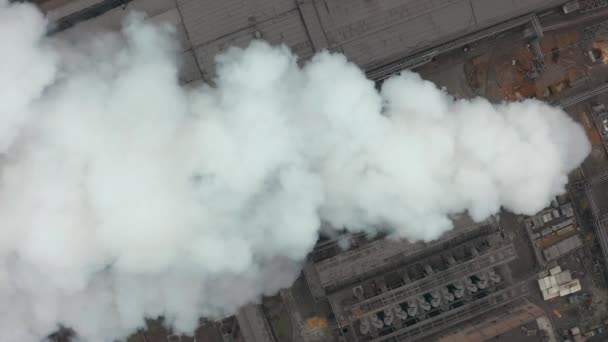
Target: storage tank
[(494, 277), (423, 304), (435, 299), (481, 280), (412, 308), (457, 289), (471, 287), (400, 313), (447, 295), (377, 322)]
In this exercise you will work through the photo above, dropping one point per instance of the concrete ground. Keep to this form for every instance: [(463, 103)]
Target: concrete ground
[(295, 316), (526, 333), (526, 265)]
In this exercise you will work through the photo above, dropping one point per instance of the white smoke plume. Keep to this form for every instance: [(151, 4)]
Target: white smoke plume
[(124, 195)]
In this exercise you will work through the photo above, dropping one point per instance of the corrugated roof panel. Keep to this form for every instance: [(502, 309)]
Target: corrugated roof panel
[(287, 28), (394, 42), (209, 20), (488, 12)]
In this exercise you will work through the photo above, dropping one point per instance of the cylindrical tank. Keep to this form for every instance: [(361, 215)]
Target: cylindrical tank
[(457, 289), (481, 280), (447, 295), (377, 322), (471, 287), (423, 304), (388, 317), (435, 299), (412, 308), (494, 277), (400, 313)]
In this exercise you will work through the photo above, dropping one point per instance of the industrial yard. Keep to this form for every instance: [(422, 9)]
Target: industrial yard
[(511, 278)]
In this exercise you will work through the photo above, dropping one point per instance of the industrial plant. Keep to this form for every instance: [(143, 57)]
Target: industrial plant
[(509, 278), (398, 291)]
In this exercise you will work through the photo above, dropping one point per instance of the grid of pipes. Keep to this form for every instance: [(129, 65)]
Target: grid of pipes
[(428, 289), (430, 304)]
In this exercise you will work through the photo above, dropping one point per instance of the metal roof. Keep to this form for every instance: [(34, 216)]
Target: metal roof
[(370, 32)]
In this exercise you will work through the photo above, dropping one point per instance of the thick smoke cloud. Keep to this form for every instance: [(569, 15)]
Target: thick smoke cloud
[(124, 195)]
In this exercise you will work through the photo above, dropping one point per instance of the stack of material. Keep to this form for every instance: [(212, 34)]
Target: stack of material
[(558, 284)]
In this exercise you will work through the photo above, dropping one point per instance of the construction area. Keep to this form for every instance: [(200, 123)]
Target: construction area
[(511, 278)]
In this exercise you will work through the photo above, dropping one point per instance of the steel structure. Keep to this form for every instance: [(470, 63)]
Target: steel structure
[(572, 100), (493, 253), (600, 221), (595, 30), (591, 5), (461, 314), (496, 256)]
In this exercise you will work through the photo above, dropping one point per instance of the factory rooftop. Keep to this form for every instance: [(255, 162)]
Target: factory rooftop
[(370, 33), (379, 255)]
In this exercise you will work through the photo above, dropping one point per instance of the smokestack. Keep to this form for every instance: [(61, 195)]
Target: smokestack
[(124, 195)]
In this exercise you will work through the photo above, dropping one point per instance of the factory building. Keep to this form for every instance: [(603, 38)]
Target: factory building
[(554, 231), (385, 290), (373, 34)]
